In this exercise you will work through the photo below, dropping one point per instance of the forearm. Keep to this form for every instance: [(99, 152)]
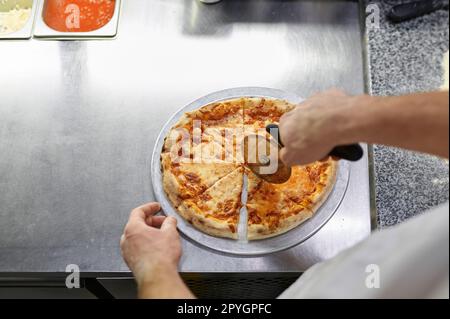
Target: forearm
[(418, 122), (163, 283)]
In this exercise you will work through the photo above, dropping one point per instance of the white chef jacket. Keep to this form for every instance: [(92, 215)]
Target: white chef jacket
[(410, 260)]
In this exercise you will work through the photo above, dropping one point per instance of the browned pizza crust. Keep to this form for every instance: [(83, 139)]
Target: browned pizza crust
[(216, 211), (261, 231), (327, 182)]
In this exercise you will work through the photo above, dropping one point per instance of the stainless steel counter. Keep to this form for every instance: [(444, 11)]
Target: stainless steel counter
[(78, 121)]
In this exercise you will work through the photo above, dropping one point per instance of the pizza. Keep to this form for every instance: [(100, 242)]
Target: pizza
[(277, 208), (216, 211), (203, 172)]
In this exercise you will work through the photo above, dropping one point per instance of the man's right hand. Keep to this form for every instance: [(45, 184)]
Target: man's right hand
[(316, 126), (417, 122)]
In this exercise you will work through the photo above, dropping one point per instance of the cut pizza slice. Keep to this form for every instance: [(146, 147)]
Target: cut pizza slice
[(274, 209), (259, 112), (308, 185), (228, 113), (270, 211), (217, 124), (216, 211), (186, 180)]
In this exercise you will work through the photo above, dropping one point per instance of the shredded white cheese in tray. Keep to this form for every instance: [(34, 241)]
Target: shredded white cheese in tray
[(14, 15)]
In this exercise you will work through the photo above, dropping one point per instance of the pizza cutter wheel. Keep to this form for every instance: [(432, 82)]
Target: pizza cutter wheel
[(261, 155)]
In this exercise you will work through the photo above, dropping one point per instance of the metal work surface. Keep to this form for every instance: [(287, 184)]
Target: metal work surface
[(243, 247), (78, 123)]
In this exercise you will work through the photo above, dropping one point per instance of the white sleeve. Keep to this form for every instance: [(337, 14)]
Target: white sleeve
[(410, 260)]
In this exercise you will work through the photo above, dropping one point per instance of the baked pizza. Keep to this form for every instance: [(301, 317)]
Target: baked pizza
[(203, 170)]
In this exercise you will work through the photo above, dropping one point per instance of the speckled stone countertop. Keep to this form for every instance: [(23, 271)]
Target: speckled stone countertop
[(406, 58)]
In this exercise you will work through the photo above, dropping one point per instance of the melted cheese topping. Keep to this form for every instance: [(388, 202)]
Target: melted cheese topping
[(270, 203)]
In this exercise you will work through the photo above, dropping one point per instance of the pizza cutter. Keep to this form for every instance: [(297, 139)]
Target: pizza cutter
[(261, 154)]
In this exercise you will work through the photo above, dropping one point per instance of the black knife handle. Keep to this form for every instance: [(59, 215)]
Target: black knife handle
[(353, 152), (411, 10), (274, 130)]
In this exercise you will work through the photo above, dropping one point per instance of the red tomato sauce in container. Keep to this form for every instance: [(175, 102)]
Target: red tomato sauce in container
[(78, 15)]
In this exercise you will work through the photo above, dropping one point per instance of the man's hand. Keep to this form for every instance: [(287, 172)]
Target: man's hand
[(417, 122), (315, 127), (151, 248)]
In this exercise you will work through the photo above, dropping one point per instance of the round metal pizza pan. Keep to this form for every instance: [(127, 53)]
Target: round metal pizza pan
[(245, 248)]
